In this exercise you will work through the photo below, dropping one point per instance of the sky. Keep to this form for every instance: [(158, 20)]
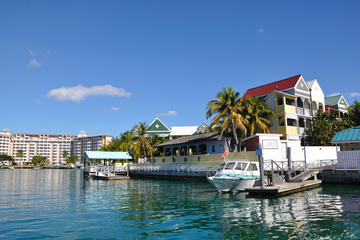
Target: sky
[(104, 66)]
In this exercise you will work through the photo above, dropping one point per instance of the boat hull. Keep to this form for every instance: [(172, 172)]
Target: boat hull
[(231, 184)]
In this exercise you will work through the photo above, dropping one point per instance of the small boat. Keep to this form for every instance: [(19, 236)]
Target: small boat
[(71, 166), (36, 167), (11, 168), (235, 176)]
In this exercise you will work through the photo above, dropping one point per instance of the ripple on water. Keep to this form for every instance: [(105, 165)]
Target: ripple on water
[(62, 204)]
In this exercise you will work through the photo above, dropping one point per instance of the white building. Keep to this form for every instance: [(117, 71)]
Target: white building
[(51, 146), (82, 142)]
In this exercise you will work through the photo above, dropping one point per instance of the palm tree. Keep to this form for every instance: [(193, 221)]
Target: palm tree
[(142, 145), (20, 154), (257, 114), (229, 118), (65, 154), (354, 113), (127, 141)]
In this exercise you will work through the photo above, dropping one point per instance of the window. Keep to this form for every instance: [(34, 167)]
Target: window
[(300, 102), (241, 166), (192, 150), (202, 149), (183, 151), (301, 122), (229, 166), (280, 101), (175, 151), (290, 102), (221, 167), (252, 167), (213, 148), (291, 122)]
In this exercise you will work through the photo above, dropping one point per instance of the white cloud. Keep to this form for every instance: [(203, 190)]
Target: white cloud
[(31, 52), (169, 113), (355, 94), (333, 94), (33, 63), (260, 30), (115, 109), (79, 93)]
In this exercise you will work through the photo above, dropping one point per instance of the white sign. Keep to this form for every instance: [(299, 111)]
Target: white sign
[(269, 144)]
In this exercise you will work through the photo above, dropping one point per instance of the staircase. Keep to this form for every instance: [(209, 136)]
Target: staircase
[(303, 176)]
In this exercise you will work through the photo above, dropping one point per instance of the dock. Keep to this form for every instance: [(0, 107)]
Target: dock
[(117, 177), (284, 188)]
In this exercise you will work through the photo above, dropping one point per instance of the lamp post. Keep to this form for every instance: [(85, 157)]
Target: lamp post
[(304, 140)]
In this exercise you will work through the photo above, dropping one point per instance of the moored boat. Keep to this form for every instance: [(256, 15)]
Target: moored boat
[(235, 176)]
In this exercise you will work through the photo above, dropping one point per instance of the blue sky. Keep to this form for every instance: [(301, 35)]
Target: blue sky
[(103, 66)]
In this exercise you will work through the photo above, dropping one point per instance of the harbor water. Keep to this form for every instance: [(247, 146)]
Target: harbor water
[(56, 203)]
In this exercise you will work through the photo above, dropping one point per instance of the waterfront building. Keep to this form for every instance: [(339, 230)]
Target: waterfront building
[(82, 142), (294, 103), (5, 142), (158, 127), (337, 105), (51, 146)]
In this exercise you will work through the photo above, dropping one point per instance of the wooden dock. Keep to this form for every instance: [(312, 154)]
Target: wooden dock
[(284, 188), (110, 177)]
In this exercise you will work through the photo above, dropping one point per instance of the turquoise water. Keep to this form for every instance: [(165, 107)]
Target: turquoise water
[(41, 204)]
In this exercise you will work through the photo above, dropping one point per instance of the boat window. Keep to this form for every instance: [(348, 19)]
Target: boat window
[(241, 166), (229, 165), (221, 167), (252, 167)]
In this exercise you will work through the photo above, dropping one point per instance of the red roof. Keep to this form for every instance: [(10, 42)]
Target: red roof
[(274, 86)]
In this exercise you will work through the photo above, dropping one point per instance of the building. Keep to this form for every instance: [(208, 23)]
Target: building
[(337, 105), (82, 142), (348, 139), (294, 102), (51, 146), (5, 142), (158, 127)]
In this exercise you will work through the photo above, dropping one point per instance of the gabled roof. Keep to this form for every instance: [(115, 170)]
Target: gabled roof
[(183, 131), (311, 83), (348, 135), (157, 126), (192, 138), (274, 86), (333, 100), (107, 155)]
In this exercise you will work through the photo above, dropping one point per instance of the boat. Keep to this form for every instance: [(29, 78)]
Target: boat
[(235, 176), (11, 168), (36, 167), (78, 165), (71, 166)]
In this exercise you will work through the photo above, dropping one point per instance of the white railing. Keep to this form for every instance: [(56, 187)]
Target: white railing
[(349, 159)]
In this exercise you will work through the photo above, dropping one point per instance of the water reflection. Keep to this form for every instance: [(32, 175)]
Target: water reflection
[(61, 203)]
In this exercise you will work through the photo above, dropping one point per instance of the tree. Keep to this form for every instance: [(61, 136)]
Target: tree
[(324, 128), (113, 146), (72, 159), (354, 113), (39, 160), (127, 141), (20, 154), (65, 154), (6, 158), (228, 110), (154, 141), (142, 145), (258, 115)]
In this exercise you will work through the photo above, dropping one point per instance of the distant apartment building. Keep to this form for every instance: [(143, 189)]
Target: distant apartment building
[(294, 103), (82, 142), (51, 146)]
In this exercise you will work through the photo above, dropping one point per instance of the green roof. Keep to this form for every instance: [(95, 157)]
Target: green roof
[(333, 100), (157, 127), (348, 135), (107, 155)]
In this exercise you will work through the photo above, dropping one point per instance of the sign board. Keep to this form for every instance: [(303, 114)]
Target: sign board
[(269, 144), (258, 152)]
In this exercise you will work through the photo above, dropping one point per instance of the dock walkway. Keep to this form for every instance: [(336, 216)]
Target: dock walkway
[(284, 188)]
